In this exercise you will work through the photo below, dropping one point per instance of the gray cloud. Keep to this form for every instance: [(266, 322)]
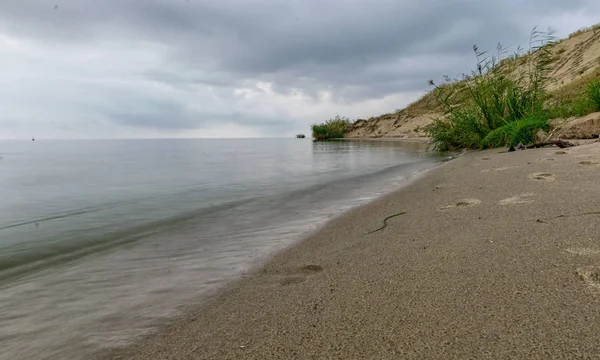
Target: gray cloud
[(182, 64)]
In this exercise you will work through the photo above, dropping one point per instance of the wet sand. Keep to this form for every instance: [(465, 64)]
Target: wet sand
[(493, 255)]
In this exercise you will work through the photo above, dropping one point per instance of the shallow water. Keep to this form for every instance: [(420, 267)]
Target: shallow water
[(101, 241)]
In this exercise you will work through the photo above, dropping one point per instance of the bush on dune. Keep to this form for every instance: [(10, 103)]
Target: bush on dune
[(463, 131), (494, 97), (331, 129), (520, 131)]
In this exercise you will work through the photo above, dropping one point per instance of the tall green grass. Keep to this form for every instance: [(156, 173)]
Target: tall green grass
[(515, 132), (494, 96), (593, 94), (334, 128)]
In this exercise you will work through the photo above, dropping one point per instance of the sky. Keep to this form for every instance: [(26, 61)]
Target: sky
[(79, 69)]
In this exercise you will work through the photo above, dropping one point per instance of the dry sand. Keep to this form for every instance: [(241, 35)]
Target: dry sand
[(396, 125), (497, 257)]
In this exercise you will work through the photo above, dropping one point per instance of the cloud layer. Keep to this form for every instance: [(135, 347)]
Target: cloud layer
[(240, 68)]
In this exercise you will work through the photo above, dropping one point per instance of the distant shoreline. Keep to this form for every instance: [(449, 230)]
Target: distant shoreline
[(422, 140)]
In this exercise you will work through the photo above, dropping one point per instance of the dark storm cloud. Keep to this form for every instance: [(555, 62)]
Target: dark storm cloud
[(255, 37), (356, 49)]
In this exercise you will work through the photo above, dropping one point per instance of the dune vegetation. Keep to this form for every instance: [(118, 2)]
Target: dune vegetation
[(334, 128), (506, 99)]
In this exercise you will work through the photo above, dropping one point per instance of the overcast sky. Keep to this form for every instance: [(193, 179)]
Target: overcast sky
[(240, 68)]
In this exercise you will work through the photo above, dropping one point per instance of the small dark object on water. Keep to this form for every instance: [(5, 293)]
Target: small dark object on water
[(511, 148), (595, 136)]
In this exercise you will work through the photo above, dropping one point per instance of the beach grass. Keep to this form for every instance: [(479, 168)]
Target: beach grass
[(593, 93), (515, 132), (583, 30), (334, 128), (496, 94)]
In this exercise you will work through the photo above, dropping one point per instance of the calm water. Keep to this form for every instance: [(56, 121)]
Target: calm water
[(100, 241)]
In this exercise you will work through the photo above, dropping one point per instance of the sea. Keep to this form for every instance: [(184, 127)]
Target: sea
[(103, 241)]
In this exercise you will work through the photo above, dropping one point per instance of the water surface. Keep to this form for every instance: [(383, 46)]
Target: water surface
[(101, 241)]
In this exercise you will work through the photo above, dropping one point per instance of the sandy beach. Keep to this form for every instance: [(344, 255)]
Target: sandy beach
[(493, 255)]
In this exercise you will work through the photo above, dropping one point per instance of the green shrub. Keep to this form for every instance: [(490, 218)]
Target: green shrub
[(331, 129), (493, 96), (464, 131), (513, 133)]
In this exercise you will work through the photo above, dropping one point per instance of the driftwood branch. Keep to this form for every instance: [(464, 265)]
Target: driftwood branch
[(560, 143)]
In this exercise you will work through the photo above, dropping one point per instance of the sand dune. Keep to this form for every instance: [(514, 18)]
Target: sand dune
[(577, 59)]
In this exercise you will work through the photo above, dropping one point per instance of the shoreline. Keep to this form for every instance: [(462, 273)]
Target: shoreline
[(207, 300), (467, 270), (172, 268), (423, 140), (420, 140)]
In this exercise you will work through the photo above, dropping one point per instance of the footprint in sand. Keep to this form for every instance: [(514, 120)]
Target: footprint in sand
[(462, 203), (589, 163), (299, 275), (517, 200), (311, 268), (590, 275), (542, 177)]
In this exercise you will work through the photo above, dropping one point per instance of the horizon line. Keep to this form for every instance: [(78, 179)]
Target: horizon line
[(150, 138)]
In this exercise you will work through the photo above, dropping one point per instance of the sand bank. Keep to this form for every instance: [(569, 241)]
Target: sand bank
[(497, 255)]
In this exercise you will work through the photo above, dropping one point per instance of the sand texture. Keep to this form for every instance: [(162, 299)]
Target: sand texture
[(491, 256), (394, 125)]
